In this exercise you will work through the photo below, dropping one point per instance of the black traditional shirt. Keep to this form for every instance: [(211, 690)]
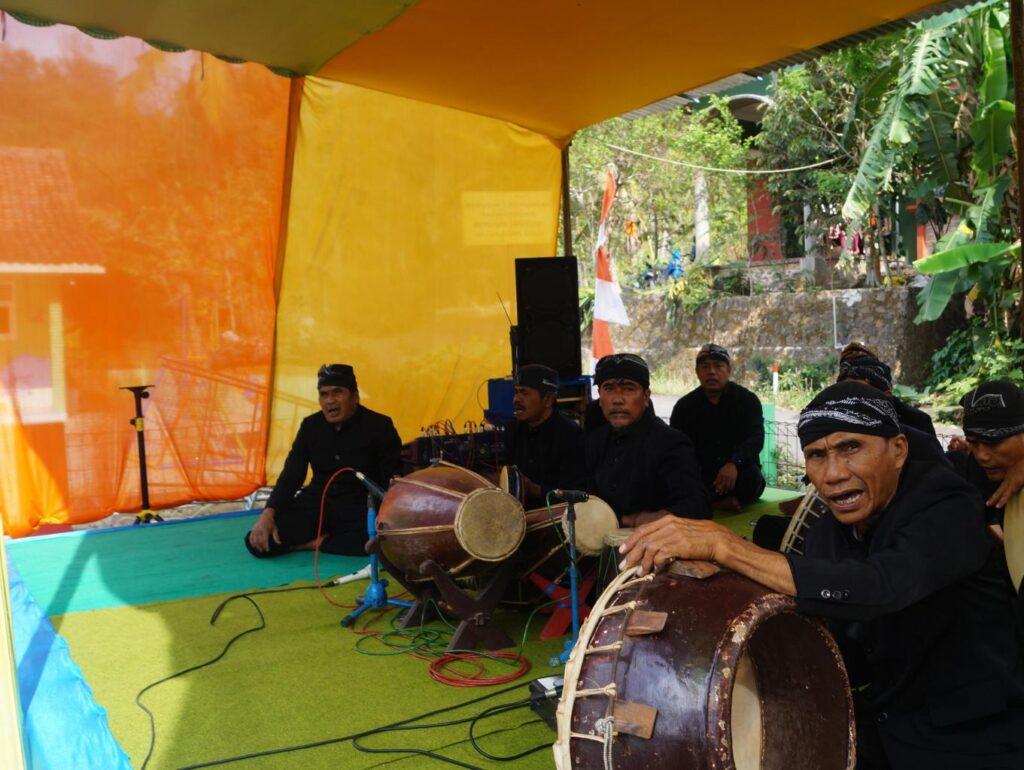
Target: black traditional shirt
[(550, 455), (730, 431), (367, 442), (914, 417), (646, 466), (924, 617)]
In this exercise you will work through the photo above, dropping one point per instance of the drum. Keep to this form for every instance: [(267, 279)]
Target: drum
[(700, 674), (547, 534), (510, 480), (811, 508), (451, 515), (1013, 538)]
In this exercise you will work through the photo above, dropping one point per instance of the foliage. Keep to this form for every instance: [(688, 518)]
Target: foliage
[(799, 381), (653, 213), (586, 307), (970, 357), (686, 295)]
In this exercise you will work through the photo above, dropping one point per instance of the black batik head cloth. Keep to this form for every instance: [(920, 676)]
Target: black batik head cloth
[(994, 411), (538, 377), (336, 375), (868, 368), (848, 407), (622, 366), (713, 352)]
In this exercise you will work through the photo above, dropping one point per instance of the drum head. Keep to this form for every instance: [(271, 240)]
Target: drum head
[(490, 524), (510, 481), (594, 519), (1013, 537)]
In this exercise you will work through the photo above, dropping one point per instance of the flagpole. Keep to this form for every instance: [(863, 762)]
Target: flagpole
[(566, 205)]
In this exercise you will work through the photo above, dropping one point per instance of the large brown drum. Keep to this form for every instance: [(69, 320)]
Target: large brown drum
[(695, 674), (450, 515)]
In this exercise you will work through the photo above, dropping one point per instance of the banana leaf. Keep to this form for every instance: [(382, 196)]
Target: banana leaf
[(952, 260)]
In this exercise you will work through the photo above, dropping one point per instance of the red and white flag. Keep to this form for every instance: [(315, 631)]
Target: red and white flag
[(608, 307)]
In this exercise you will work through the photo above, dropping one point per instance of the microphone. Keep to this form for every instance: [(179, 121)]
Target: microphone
[(370, 486), (570, 495)]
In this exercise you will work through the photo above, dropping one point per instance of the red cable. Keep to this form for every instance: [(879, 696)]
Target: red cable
[(316, 546)]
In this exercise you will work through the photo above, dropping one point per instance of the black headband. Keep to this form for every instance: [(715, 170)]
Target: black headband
[(713, 352), (874, 372), (538, 377), (623, 366), (994, 411), (848, 407), (336, 375)]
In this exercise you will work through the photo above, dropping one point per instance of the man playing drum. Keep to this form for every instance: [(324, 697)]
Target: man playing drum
[(637, 464), (902, 571), (545, 445), (343, 434), (725, 423)]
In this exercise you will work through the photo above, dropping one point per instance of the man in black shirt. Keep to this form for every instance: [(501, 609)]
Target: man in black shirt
[(545, 445), (343, 434), (637, 464), (902, 571), (859, 364), (725, 423)]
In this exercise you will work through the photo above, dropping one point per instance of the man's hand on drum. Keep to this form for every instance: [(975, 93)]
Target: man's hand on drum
[(644, 517), (654, 545)]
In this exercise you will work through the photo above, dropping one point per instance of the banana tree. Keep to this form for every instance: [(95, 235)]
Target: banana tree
[(943, 136)]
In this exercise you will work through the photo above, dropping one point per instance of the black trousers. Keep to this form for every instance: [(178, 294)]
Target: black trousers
[(344, 523), (750, 483)]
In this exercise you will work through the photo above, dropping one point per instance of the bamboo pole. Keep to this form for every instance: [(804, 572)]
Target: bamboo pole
[(566, 204), (12, 753), (1017, 51)]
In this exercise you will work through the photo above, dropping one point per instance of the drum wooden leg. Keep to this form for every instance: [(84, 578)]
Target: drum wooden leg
[(477, 627)]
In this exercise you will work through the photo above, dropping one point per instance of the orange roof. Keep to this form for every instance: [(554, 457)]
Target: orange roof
[(40, 220)]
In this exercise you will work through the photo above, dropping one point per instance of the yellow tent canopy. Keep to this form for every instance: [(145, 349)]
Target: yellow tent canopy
[(553, 66)]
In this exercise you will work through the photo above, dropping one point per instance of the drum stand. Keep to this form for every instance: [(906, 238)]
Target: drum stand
[(376, 596), (477, 627)]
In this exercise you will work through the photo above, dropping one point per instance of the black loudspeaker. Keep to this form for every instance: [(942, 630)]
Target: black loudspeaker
[(548, 305)]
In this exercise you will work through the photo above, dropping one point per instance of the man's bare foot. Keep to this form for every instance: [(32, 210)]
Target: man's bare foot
[(728, 503), (789, 507)]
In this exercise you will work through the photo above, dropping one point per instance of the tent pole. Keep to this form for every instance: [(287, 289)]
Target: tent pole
[(1017, 50), (11, 749), (566, 206)]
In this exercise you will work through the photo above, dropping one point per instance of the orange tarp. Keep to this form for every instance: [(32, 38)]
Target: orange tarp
[(139, 210)]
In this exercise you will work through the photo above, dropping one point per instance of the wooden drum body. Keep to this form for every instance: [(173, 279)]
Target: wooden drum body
[(700, 674), (449, 515)]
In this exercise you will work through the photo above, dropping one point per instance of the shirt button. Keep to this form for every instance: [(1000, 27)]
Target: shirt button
[(846, 595), (337, 457), (882, 717), (826, 594)]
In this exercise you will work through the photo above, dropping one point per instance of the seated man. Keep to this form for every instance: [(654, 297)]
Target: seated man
[(991, 457), (858, 364), (343, 434), (901, 571), (725, 423), (637, 464), (545, 445)]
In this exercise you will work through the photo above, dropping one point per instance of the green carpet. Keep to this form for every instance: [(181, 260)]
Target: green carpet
[(96, 569), (298, 680)]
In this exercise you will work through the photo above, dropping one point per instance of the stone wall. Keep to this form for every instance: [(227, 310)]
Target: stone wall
[(801, 326)]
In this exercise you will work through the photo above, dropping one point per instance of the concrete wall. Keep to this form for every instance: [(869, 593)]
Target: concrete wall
[(787, 326)]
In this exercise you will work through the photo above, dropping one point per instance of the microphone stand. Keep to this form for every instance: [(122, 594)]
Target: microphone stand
[(574, 579), (376, 595)]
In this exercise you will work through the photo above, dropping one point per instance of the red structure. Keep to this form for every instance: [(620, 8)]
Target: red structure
[(764, 228)]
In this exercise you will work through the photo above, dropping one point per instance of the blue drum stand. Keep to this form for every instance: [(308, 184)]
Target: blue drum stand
[(376, 595)]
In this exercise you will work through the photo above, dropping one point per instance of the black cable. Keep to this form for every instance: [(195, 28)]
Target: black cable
[(493, 711), (353, 736), (499, 731), (213, 619)]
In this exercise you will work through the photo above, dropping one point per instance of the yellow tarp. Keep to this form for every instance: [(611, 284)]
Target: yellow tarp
[(404, 223)]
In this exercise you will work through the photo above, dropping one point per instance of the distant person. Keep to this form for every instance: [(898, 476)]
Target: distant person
[(725, 423), (857, 363), (636, 463), (343, 434), (544, 445)]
